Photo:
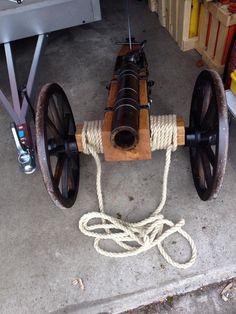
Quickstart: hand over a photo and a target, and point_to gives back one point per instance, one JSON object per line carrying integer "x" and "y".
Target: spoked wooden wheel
{"x": 209, "y": 124}
{"x": 57, "y": 150}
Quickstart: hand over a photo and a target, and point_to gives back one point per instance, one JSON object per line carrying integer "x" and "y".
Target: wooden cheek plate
{"x": 142, "y": 151}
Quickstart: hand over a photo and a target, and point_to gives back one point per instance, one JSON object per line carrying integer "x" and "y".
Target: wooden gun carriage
{"x": 125, "y": 133}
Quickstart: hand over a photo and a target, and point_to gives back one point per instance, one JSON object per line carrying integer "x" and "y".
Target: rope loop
{"x": 134, "y": 238}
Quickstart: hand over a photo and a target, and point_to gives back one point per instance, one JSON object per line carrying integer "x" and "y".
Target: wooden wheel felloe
{"x": 207, "y": 135}
{"x": 57, "y": 150}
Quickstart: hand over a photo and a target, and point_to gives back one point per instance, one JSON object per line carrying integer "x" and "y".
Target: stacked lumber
{"x": 216, "y": 30}
{"x": 180, "y": 18}
{"x": 208, "y": 27}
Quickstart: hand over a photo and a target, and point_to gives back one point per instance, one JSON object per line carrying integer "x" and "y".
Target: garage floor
{"x": 42, "y": 250}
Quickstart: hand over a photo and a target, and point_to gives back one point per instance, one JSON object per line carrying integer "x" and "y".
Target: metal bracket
{"x": 18, "y": 109}
{"x": 25, "y": 157}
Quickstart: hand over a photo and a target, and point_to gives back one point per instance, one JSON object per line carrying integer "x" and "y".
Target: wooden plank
{"x": 187, "y": 18}
{"x": 170, "y": 9}
{"x": 143, "y": 149}
{"x": 212, "y": 9}
{"x": 231, "y": 32}
{"x": 168, "y": 17}
{"x": 143, "y": 92}
{"x": 143, "y": 126}
{"x": 225, "y": 16}
{"x": 212, "y": 64}
{"x": 175, "y": 18}
{"x": 125, "y": 49}
{"x": 172, "y": 18}
{"x": 162, "y": 12}
{"x": 216, "y": 32}
{"x": 180, "y": 22}
{"x": 190, "y": 43}
{"x": 220, "y": 47}
{"x": 184, "y": 21}
{"x": 181, "y": 131}
{"x": 78, "y": 136}
{"x": 222, "y": 14}
{"x": 213, "y": 37}
{"x": 203, "y": 26}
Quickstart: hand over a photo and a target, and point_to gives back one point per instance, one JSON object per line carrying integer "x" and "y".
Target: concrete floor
{"x": 42, "y": 250}
{"x": 207, "y": 300}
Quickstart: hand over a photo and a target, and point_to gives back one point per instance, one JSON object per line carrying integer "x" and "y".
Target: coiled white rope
{"x": 135, "y": 238}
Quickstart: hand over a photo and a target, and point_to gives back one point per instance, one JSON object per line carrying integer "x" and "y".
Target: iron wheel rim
{"x": 57, "y": 127}
{"x": 209, "y": 113}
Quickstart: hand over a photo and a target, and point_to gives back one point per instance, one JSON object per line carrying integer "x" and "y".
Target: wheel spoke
{"x": 59, "y": 104}
{"x": 60, "y": 101}
{"x": 67, "y": 123}
{"x": 201, "y": 103}
{"x": 57, "y": 116}
{"x": 71, "y": 178}
{"x": 65, "y": 173}
{"x": 206, "y": 100}
{"x": 210, "y": 154}
{"x": 59, "y": 169}
{"x": 54, "y": 129}
{"x": 196, "y": 117}
{"x": 199, "y": 170}
{"x": 206, "y": 169}
{"x": 209, "y": 118}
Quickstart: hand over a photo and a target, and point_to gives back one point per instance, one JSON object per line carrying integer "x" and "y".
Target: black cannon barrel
{"x": 125, "y": 123}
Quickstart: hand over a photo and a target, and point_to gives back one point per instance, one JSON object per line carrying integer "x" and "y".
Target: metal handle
{"x": 23, "y": 153}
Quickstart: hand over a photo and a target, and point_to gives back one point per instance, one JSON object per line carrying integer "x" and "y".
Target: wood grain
{"x": 143, "y": 149}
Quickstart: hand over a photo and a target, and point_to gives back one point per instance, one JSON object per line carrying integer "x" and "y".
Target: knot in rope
{"x": 135, "y": 238}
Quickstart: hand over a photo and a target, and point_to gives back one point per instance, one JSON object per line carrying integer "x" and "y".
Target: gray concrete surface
{"x": 42, "y": 250}
{"x": 207, "y": 300}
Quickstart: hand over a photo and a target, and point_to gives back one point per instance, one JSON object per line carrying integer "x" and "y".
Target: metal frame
{"x": 29, "y": 18}
{"x": 18, "y": 109}
{"x": 34, "y": 17}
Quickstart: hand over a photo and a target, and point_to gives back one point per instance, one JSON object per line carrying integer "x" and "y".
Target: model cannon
{"x": 126, "y": 131}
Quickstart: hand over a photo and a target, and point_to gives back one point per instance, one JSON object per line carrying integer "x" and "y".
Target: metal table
{"x": 21, "y": 19}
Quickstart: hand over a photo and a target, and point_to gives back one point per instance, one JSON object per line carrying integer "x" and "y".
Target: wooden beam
{"x": 180, "y": 131}
{"x": 143, "y": 149}
{"x": 143, "y": 126}
{"x": 213, "y": 37}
